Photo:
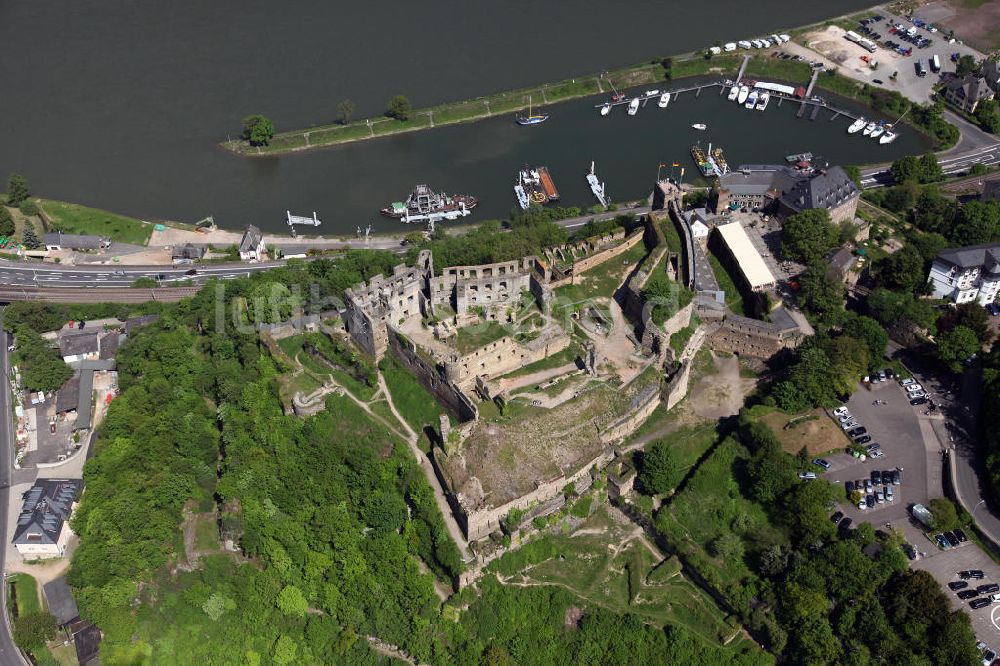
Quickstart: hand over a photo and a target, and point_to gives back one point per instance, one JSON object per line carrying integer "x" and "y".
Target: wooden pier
{"x": 808, "y": 101}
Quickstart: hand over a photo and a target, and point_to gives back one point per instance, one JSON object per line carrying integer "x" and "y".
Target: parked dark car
{"x": 979, "y": 603}
{"x": 952, "y": 539}
{"x": 876, "y": 477}
{"x": 855, "y": 432}
{"x": 968, "y": 594}
{"x": 835, "y": 518}
{"x": 897, "y": 477}
{"x": 849, "y": 487}
{"x": 918, "y": 401}
{"x": 878, "y": 81}
{"x": 956, "y": 585}
{"x": 910, "y": 551}
{"x": 989, "y": 588}
{"x": 845, "y": 524}
{"x": 960, "y": 535}
{"x": 976, "y": 574}
{"x": 864, "y": 439}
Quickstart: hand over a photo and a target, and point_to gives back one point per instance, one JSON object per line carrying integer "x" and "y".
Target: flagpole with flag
{"x": 659, "y": 166}
{"x": 673, "y": 166}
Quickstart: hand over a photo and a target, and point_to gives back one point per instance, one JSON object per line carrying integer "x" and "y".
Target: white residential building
{"x": 967, "y": 274}
{"x": 252, "y": 246}
{"x": 42, "y": 530}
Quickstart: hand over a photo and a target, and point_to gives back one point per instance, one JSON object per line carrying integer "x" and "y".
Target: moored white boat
{"x": 700, "y": 126}
{"x": 742, "y": 97}
{"x": 652, "y": 93}
{"x": 888, "y": 137}
{"x": 633, "y": 106}
{"x": 869, "y": 128}
{"x": 733, "y": 92}
{"x": 751, "y": 100}
{"x": 877, "y": 132}
{"x": 606, "y": 109}
{"x": 762, "y": 101}
{"x": 664, "y": 100}
{"x": 522, "y": 196}
{"x": 856, "y": 126}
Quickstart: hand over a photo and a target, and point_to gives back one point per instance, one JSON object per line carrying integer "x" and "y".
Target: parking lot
{"x": 944, "y": 565}
{"x": 909, "y": 443}
{"x": 896, "y": 427}
{"x": 847, "y": 56}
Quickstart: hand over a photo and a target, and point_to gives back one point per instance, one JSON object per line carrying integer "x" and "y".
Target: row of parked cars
{"x": 950, "y": 539}
{"x": 915, "y": 393}
{"x": 990, "y": 591}
{"x": 875, "y": 490}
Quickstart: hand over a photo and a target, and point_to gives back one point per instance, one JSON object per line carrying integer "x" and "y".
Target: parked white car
{"x": 913, "y": 388}
{"x": 907, "y": 381}
{"x": 840, "y": 411}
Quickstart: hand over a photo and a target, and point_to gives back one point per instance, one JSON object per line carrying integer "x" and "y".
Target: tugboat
{"x": 531, "y": 119}
{"x": 425, "y": 205}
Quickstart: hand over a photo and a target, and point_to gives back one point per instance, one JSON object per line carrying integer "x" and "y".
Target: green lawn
{"x": 340, "y": 355}
{"x": 206, "y": 534}
{"x": 603, "y": 565}
{"x": 76, "y": 219}
{"x": 471, "y": 338}
{"x": 734, "y": 299}
{"x": 26, "y": 589}
{"x": 602, "y": 279}
{"x": 415, "y": 403}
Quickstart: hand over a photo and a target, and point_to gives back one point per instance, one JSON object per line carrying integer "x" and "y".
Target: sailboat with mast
{"x": 531, "y": 119}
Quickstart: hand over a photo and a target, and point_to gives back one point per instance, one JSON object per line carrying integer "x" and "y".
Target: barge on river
{"x": 535, "y": 186}
{"x": 426, "y": 205}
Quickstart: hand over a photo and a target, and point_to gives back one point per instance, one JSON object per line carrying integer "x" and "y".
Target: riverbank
{"x": 654, "y": 73}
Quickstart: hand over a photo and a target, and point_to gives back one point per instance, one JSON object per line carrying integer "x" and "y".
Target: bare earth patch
{"x": 721, "y": 394}
{"x": 818, "y": 435}
{"x": 977, "y": 26}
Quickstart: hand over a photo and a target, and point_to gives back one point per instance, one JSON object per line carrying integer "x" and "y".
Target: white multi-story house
{"x": 967, "y": 274}
{"x": 42, "y": 530}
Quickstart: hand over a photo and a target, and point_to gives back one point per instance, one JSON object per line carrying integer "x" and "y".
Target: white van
{"x": 731, "y": 46}
{"x": 744, "y": 44}
{"x": 715, "y": 50}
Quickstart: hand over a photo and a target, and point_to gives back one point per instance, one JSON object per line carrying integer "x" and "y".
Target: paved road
{"x": 9, "y": 654}
{"x": 53, "y": 275}
{"x": 88, "y": 295}
{"x": 974, "y": 147}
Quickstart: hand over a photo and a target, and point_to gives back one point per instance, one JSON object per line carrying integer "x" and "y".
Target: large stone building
{"x": 967, "y": 274}
{"x": 966, "y": 92}
{"x": 416, "y": 292}
{"x": 785, "y": 190}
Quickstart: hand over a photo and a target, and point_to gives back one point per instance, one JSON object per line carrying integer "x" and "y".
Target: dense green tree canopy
{"x": 399, "y": 108}
{"x": 660, "y": 471}
{"x": 808, "y": 236}
{"x": 42, "y": 368}
{"x": 258, "y": 130}
{"x": 17, "y": 189}
{"x": 956, "y": 345}
{"x": 6, "y": 222}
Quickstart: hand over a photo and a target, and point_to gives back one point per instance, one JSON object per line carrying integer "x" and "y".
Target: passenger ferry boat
{"x": 425, "y": 205}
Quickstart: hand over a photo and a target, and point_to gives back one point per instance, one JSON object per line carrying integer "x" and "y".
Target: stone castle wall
{"x": 581, "y": 266}
{"x": 504, "y": 355}
{"x": 753, "y": 337}
{"x": 445, "y": 392}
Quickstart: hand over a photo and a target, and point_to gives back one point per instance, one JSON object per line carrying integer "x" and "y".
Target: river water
{"x": 119, "y": 104}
